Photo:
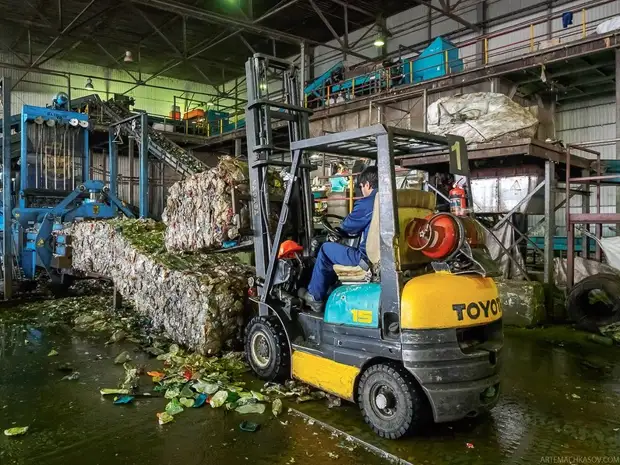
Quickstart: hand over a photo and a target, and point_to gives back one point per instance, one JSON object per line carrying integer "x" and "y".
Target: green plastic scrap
{"x": 174, "y": 407}
{"x": 16, "y": 431}
{"x": 173, "y": 350}
{"x": 117, "y": 336}
{"x": 132, "y": 380}
{"x": 187, "y": 402}
{"x": 258, "y": 396}
{"x": 172, "y": 393}
{"x": 276, "y": 407}
{"x": 113, "y": 391}
{"x": 122, "y": 358}
{"x": 206, "y": 387}
{"x": 186, "y": 391}
{"x": 251, "y": 408}
{"x": 219, "y": 398}
{"x": 52, "y": 353}
{"x": 164, "y": 417}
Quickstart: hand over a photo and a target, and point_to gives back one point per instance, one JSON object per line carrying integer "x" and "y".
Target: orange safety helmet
{"x": 288, "y": 249}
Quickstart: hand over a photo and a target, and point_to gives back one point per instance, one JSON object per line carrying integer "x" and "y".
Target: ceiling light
{"x": 89, "y": 84}
{"x": 379, "y": 40}
{"x": 263, "y": 86}
{"x": 128, "y": 57}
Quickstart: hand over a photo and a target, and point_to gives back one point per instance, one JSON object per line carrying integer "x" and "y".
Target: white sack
{"x": 481, "y": 117}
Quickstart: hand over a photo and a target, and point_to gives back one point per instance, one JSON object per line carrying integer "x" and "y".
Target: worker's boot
{"x": 315, "y": 305}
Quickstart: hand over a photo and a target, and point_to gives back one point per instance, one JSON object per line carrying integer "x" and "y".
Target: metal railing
{"x": 467, "y": 55}
{"x": 478, "y": 52}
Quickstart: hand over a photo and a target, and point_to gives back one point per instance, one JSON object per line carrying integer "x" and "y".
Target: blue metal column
{"x": 113, "y": 148}
{"x": 7, "y": 240}
{"x": 144, "y": 166}
{"x": 24, "y": 144}
{"x": 86, "y": 166}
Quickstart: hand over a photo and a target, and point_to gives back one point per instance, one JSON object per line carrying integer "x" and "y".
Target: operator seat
{"x": 412, "y": 203}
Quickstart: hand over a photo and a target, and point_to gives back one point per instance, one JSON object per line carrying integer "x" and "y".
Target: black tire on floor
{"x": 589, "y": 312}
{"x": 267, "y": 349}
{"x": 391, "y": 401}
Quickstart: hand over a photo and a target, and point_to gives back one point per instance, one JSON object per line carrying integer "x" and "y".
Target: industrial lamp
{"x": 379, "y": 40}
{"x": 128, "y": 57}
{"x": 89, "y": 84}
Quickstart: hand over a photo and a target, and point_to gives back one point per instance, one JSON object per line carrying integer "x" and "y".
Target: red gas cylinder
{"x": 439, "y": 236}
{"x": 458, "y": 201}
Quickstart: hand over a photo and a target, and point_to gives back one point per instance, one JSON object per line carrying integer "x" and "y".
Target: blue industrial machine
{"x": 317, "y": 89}
{"x": 440, "y": 58}
{"x": 55, "y": 188}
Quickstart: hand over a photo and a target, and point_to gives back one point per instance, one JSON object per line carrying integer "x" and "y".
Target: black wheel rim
{"x": 383, "y": 401}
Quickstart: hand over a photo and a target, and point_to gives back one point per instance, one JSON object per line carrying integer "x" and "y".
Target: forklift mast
{"x": 274, "y": 95}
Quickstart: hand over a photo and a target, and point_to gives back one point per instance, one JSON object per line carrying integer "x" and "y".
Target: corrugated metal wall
{"x": 159, "y": 181}
{"x": 38, "y": 89}
{"x": 583, "y": 123}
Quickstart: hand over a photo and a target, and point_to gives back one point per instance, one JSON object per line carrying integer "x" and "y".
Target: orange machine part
{"x": 436, "y": 236}
{"x": 197, "y": 113}
{"x": 289, "y": 248}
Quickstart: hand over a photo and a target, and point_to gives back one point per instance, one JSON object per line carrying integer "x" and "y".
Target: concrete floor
{"x": 561, "y": 399}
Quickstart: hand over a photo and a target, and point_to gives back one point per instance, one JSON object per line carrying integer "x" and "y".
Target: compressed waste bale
{"x": 481, "y": 117}
{"x": 523, "y": 302}
{"x": 199, "y": 212}
{"x": 197, "y": 299}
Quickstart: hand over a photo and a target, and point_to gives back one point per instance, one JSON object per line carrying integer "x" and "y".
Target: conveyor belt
{"x": 161, "y": 147}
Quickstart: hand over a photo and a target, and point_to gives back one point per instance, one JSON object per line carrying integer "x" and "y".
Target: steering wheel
{"x": 339, "y": 233}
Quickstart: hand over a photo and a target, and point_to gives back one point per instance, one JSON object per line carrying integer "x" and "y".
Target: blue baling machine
{"x": 54, "y": 188}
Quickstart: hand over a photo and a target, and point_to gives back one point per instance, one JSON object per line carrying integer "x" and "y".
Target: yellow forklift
{"x": 415, "y": 338}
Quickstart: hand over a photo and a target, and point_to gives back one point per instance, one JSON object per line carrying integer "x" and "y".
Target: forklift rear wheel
{"x": 391, "y": 401}
{"x": 267, "y": 349}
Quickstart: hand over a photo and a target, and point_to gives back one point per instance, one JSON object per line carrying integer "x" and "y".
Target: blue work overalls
{"x": 332, "y": 253}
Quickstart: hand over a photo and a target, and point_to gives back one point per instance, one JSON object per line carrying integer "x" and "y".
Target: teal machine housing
{"x": 354, "y": 305}
{"x": 441, "y": 57}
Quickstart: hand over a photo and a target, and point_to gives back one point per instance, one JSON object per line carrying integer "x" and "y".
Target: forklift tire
{"x": 267, "y": 349}
{"x": 391, "y": 401}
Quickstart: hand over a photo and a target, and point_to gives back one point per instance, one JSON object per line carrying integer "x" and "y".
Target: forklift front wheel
{"x": 391, "y": 402}
{"x": 267, "y": 349}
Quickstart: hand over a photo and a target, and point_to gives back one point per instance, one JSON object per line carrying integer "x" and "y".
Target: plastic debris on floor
{"x": 16, "y": 431}
{"x": 191, "y": 380}
{"x": 196, "y": 299}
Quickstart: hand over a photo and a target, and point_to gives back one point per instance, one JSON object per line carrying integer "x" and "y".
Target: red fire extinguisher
{"x": 458, "y": 200}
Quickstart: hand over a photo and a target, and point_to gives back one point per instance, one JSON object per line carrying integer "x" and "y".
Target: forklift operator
{"x": 332, "y": 253}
